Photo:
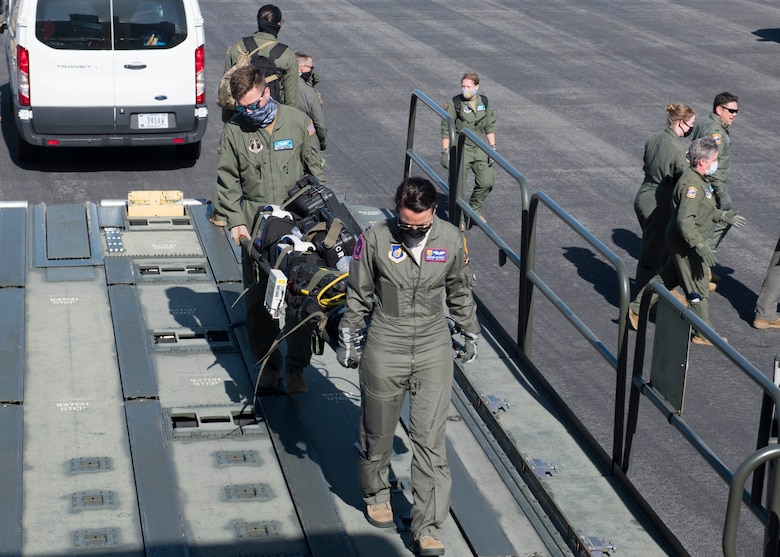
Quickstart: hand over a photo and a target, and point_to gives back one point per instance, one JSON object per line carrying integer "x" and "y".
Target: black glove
{"x": 724, "y": 200}
{"x": 733, "y": 219}
{"x": 707, "y": 255}
{"x": 445, "y": 158}
{"x": 490, "y": 159}
{"x": 469, "y": 353}
{"x": 350, "y": 347}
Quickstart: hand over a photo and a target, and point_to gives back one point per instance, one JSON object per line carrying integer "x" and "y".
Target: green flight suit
{"x": 476, "y": 115}
{"x": 408, "y": 347}
{"x": 694, "y": 213}
{"x": 714, "y": 127}
{"x": 256, "y": 168}
{"x": 310, "y": 102}
{"x": 664, "y": 163}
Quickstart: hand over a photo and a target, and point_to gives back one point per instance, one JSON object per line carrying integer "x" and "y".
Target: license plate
{"x": 152, "y": 121}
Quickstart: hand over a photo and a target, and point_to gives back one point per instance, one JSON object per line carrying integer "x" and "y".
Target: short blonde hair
{"x": 472, "y": 76}
{"x": 678, "y": 113}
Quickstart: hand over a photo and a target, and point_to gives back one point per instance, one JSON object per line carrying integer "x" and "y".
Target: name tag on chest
{"x": 435, "y": 255}
{"x": 283, "y": 145}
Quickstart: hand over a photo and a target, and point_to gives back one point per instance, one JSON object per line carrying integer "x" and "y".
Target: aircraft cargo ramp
{"x": 130, "y": 425}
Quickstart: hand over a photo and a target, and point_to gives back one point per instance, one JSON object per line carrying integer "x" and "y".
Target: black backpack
{"x": 266, "y": 64}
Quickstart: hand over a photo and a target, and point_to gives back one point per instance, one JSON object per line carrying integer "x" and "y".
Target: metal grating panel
{"x": 67, "y": 232}
{"x": 161, "y": 516}
{"x": 119, "y": 270}
{"x": 312, "y": 498}
{"x": 13, "y": 229}
{"x": 12, "y": 343}
{"x": 66, "y": 236}
{"x": 11, "y": 416}
{"x": 135, "y": 362}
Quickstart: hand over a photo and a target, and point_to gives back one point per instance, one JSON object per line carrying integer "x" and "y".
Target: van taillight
{"x": 200, "y": 75}
{"x": 23, "y": 75}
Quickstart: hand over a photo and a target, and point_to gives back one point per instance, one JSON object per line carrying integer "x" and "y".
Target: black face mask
{"x": 306, "y": 75}
{"x": 417, "y": 233}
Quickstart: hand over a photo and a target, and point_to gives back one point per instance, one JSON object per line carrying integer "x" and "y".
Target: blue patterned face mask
{"x": 712, "y": 169}
{"x": 262, "y": 115}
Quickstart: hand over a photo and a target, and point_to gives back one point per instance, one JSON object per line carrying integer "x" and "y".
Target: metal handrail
{"x": 620, "y": 361}
{"x": 640, "y": 386}
{"x": 736, "y": 494}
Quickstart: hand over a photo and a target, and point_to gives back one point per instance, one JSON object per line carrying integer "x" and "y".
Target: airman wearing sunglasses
{"x": 716, "y": 126}
{"x": 266, "y": 147}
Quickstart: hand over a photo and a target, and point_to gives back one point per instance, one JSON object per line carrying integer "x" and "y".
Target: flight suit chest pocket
{"x": 390, "y": 295}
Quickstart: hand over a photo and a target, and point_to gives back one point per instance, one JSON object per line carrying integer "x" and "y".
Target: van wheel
{"x": 24, "y": 151}
{"x": 188, "y": 151}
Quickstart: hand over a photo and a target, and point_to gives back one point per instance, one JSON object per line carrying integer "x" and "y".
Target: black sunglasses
{"x": 409, "y": 227}
{"x": 250, "y": 107}
{"x": 732, "y": 110}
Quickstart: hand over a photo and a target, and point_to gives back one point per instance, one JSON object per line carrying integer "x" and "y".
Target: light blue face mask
{"x": 263, "y": 115}
{"x": 712, "y": 169}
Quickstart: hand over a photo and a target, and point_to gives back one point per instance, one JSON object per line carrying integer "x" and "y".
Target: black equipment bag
{"x": 323, "y": 220}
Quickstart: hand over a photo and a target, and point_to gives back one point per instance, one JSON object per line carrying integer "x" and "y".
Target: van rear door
{"x": 74, "y": 52}
{"x": 154, "y": 66}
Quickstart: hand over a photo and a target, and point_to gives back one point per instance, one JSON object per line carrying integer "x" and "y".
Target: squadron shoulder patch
{"x": 691, "y": 192}
{"x": 311, "y": 129}
{"x": 718, "y": 138}
{"x": 359, "y": 245}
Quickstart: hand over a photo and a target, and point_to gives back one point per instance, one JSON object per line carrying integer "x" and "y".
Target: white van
{"x": 107, "y": 73}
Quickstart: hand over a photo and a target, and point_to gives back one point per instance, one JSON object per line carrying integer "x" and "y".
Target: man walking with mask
{"x": 309, "y": 99}
{"x": 716, "y": 126}
{"x": 265, "y": 149}
{"x": 269, "y": 23}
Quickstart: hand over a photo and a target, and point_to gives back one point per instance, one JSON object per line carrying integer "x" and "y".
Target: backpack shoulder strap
{"x": 277, "y": 51}
{"x": 456, "y": 103}
{"x": 251, "y": 46}
{"x": 484, "y": 99}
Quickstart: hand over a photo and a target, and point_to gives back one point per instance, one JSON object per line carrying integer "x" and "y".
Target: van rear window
{"x": 89, "y": 25}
